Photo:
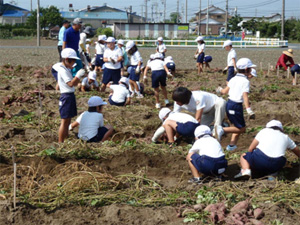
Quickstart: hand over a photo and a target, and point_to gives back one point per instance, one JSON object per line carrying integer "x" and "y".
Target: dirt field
{"x": 129, "y": 180}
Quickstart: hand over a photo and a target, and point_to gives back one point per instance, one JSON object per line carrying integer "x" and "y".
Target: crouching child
{"x": 120, "y": 95}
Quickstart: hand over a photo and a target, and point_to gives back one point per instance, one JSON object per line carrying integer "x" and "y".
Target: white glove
{"x": 249, "y": 111}
{"x": 235, "y": 70}
{"x": 196, "y": 56}
{"x": 219, "y": 89}
{"x": 70, "y": 127}
{"x": 158, "y": 133}
{"x": 137, "y": 70}
{"x": 80, "y": 73}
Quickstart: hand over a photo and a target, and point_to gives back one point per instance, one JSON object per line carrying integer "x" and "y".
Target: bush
{"x": 23, "y": 32}
{"x": 5, "y": 33}
{"x": 107, "y": 31}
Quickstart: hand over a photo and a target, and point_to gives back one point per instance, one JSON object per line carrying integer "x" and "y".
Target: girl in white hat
{"x": 200, "y": 53}
{"x": 161, "y": 47}
{"x": 90, "y": 82}
{"x": 100, "y": 48}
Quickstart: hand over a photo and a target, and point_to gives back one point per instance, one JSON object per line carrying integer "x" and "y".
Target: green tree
{"x": 233, "y": 23}
{"x": 174, "y": 16}
{"x": 251, "y": 25}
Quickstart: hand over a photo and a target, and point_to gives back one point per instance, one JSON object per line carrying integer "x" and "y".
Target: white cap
{"x": 201, "y": 130}
{"x": 129, "y": 45}
{"x": 163, "y": 113}
{"x": 92, "y": 75}
{"x": 160, "y": 39}
{"x": 253, "y": 72}
{"x": 244, "y": 63}
{"x": 227, "y": 43}
{"x": 124, "y": 80}
{"x": 274, "y": 123}
{"x": 111, "y": 39}
{"x": 96, "y": 101}
{"x": 120, "y": 42}
{"x": 169, "y": 57}
{"x": 102, "y": 38}
{"x": 152, "y": 56}
{"x": 199, "y": 38}
{"x": 69, "y": 53}
{"x": 158, "y": 55}
{"x": 88, "y": 41}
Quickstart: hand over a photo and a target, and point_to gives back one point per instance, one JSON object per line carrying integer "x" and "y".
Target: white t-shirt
{"x": 136, "y": 58}
{"x": 89, "y": 122}
{"x": 85, "y": 83}
{"x": 82, "y": 41}
{"x": 156, "y": 65}
{"x": 207, "y": 146}
{"x": 181, "y": 117}
{"x": 120, "y": 93}
{"x": 199, "y": 100}
{"x": 64, "y": 76}
{"x": 167, "y": 60}
{"x": 230, "y": 56}
{"x": 114, "y": 54}
{"x": 237, "y": 86}
{"x": 162, "y": 48}
{"x": 100, "y": 48}
{"x": 273, "y": 142}
{"x": 201, "y": 47}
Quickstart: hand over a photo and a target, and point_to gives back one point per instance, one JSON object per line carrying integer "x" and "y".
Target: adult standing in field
{"x": 61, "y": 33}
{"x": 199, "y": 55}
{"x": 231, "y": 60}
{"x": 71, "y": 40}
{"x": 286, "y": 56}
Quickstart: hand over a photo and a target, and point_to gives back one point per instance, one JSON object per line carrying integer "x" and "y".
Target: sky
{"x": 244, "y": 7}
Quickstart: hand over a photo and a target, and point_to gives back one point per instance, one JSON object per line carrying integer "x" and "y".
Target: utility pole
{"x": 207, "y": 19}
{"x": 31, "y": 6}
{"x": 146, "y": 11}
{"x": 38, "y": 24}
{"x": 199, "y": 25}
{"x": 142, "y": 12}
{"x": 152, "y": 13}
{"x": 226, "y": 18}
{"x": 165, "y": 9}
{"x": 282, "y": 20}
{"x": 186, "y": 6}
{"x": 177, "y": 11}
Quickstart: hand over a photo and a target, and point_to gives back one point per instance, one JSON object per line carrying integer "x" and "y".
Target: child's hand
{"x": 219, "y": 89}
{"x": 225, "y": 70}
{"x": 145, "y": 80}
{"x": 250, "y": 113}
{"x": 170, "y": 76}
{"x": 137, "y": 70}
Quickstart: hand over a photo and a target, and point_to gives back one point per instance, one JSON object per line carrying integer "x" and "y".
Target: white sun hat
{"x": 227, "y": 43}
{"x": 120, "y": 42}
{"x": 199, "y": 38}
{"x": 92, "y": 75}
{"x": 274, "y": 123}
{"x": 160, "y": 39}
{"x": 244, "y": 63}
{"x": 69, "y": 53}
{"x": 253, "y": 72}
{"x": 124, "y": 80}
{"x": 111, "y": 40}
{"x": 129, "y": 45}
{"x": 201, "y": 130}
{"x": 163, "y": 113}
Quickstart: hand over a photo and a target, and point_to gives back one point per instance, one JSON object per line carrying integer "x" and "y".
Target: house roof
{"x": 212, "y": 10}
{"x": 103, "y": 7}
{"x": 12, "y": 10}
{"x": 210, "y": 21}
{"x": 95, "y": 15}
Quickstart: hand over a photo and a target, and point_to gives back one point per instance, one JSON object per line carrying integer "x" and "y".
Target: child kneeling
{"x": 120, "y": 95}
{"x": 206, "y": 155}
{"x": 91, "y": 124}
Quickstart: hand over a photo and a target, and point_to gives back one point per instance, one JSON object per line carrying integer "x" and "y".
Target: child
{"x": 54, "y": 71}
{"x": 91, "y": 125}
{"x": 89, "y": 82}
{"x": 207, "y": 107}
{"x": 66, "y": 82}
{"x": 161, "y": 47}
{"x": 159, "y": 77}
{"x": 176, "y": 123}
{"x": 170, "y": 64}
{"x": 120, "y": 95}
{"x": 237, "y": 89}
{"x": 124, "y": 63}
{"x": 231, "y": 60}
{"x": 100, "y": 48}
{"x": 112, "y": 57}
{"x": 136, "y": 62}
{"x": 295, "y": 69}
{"x": 266, "y": 153}
{"x": 207, "y": 60}
{"x": 206, "y": 155}
{"x": 200, "y": 54}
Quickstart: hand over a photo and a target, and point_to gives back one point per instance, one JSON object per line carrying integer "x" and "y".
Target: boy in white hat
{"x": 100, "y": 48}
{"x": 112, "y": 57}
{"x": 135, "y": 68}
{"x": 89, "y": 83}
{"x": 265, "y": 155}
{"x": 159, "y": 77}
{"x": 231, "y": 60}
{"x": 120, "y": 95}
{"x": 170, "y": 64}
{"x": 161, "y": 47}
{"x": 91, "y": 122}
{"x": 237, "y": 89}
{"x": 199, "y": 55}
{"x": 124, "y": 63}
{"x": 66, "y": 82}
{"x": 206, "y": 155}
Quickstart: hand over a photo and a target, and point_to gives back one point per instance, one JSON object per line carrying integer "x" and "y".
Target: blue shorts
{"x": 78, "y": 66}
{"x": 230, "y": 73}
{"x": 111, "y": 75}
{"x": 67, "y": 105}
{"x": 295, "y": 69}
{"x": 116, "y": 103}
{"x": 207, "y": 59}
{"x": 99, "y": 60}
{"x": 101, "y": 132}
{"x": 132, "y": 75}
{"x": 209, "y": 166}
{"x": 171, "y": 66}
{"x": 262, "y": 164}
{"x": 54, "y": 73}
{"x": 200, "y": 58}
{"x": 235, "y": 113}
{"x": 159, "y": 77}
{"x": 187, "y": 129}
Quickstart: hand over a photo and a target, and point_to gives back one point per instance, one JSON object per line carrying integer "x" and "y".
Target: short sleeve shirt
{"x": 100, "y": 48}
{"x": 120, "y": 93}
{"x": 72, "y": 37}
{"x": 181, "y": 117}
{"x": 201, "y": 47}
{"x": 85, "y": 83}
{"x": 64, "y": 76}
{"x": 136, "y": 58}
{"x": 156, "y": 65}
{"x": 162, "y": 48}
{"x": 82, "y": 41}
{"x": 114, "y": 54}
{"x": 237, "y": 86}
{"x": 89, "y": 122}
{"x": 207, "y": 146}
{"x": 231, "y": 55}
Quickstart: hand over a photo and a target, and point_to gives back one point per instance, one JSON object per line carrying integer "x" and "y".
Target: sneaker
{"x": 132, "y": 95}
{"x": 219, "y": 132}
{"x": 167, "y": 101}
{"x": 157, "y": 105}
{"x": 231, "y": 148}
{"x": 243, "y": 175}
{"x": 272, "y": 176}
{"x": 140, "y": 96}
{"x": 195, "y": 180}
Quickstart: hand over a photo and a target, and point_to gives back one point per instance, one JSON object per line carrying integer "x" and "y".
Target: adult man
{"x": 65, "y": 25}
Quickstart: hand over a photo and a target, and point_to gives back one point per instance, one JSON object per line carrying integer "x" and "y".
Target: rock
{"x": 22, "y": 113}
{"x": 199, "y": 207}
{"x": 258, "y": 213}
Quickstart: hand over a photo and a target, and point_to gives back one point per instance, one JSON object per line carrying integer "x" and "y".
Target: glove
{"x": 250, "y": 113}
{"x": 170, "y": 76}
{"x": 158, "y": 133}
{"x": 70, "y": 127}
{"x": 235, "y": 70}
{"x": 196, "y": 56}
{"x": 145, "y": 80}
{"x": 112, "y": 60}
{"x": 137, "y": 70}
{"x": 219, "y": 89}
{"x": 80, "y": 73}
{"x": 225, "y": 70}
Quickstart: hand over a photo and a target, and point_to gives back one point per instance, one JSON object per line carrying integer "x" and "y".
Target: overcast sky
{"x": 244, "y": 7}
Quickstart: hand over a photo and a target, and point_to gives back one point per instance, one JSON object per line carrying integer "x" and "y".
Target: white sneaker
{"x": 167, "y": 101}
{"x": 132, "y": 95}
{"x": 157, "y": 105}
{"x": 218, "y": 132}
{"x": 140, "y": 96}
{"x": 231, "y": 148}
{"x": 244, "y": 174}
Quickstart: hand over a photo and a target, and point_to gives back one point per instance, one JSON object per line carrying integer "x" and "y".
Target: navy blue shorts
{"x": 200, "y": 58}
{"x": 132, "y": 75}
{"x": 207, "y": 59}
{"x": 99, "y": 60}
{"x": 116, "y": 103}
{"x": 54, "y": 73}
{"x": 67, "y": 105}
{"x": 101, "y": 132}
{"x": 262, "y": 164}
{"x": 295, "y": 69}
{"x": 171, "y": 66}
{"x": 159, "y": 77}
{"x": 111, "y": 75}
{"x": 187, "y": 129}
{"x": 230, "y": 73}
{"x": 209, "y": 166}
{"x": 235, "y": 113}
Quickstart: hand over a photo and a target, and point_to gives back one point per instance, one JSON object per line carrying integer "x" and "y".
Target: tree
{"x": 251, "y": 25}
{"x": 233, "y": 23}
{"x": 174, "y": 16}
{"x": 49, "y": 17}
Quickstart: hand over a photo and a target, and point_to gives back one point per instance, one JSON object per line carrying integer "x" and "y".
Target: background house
{"x": 11, "y": 14}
